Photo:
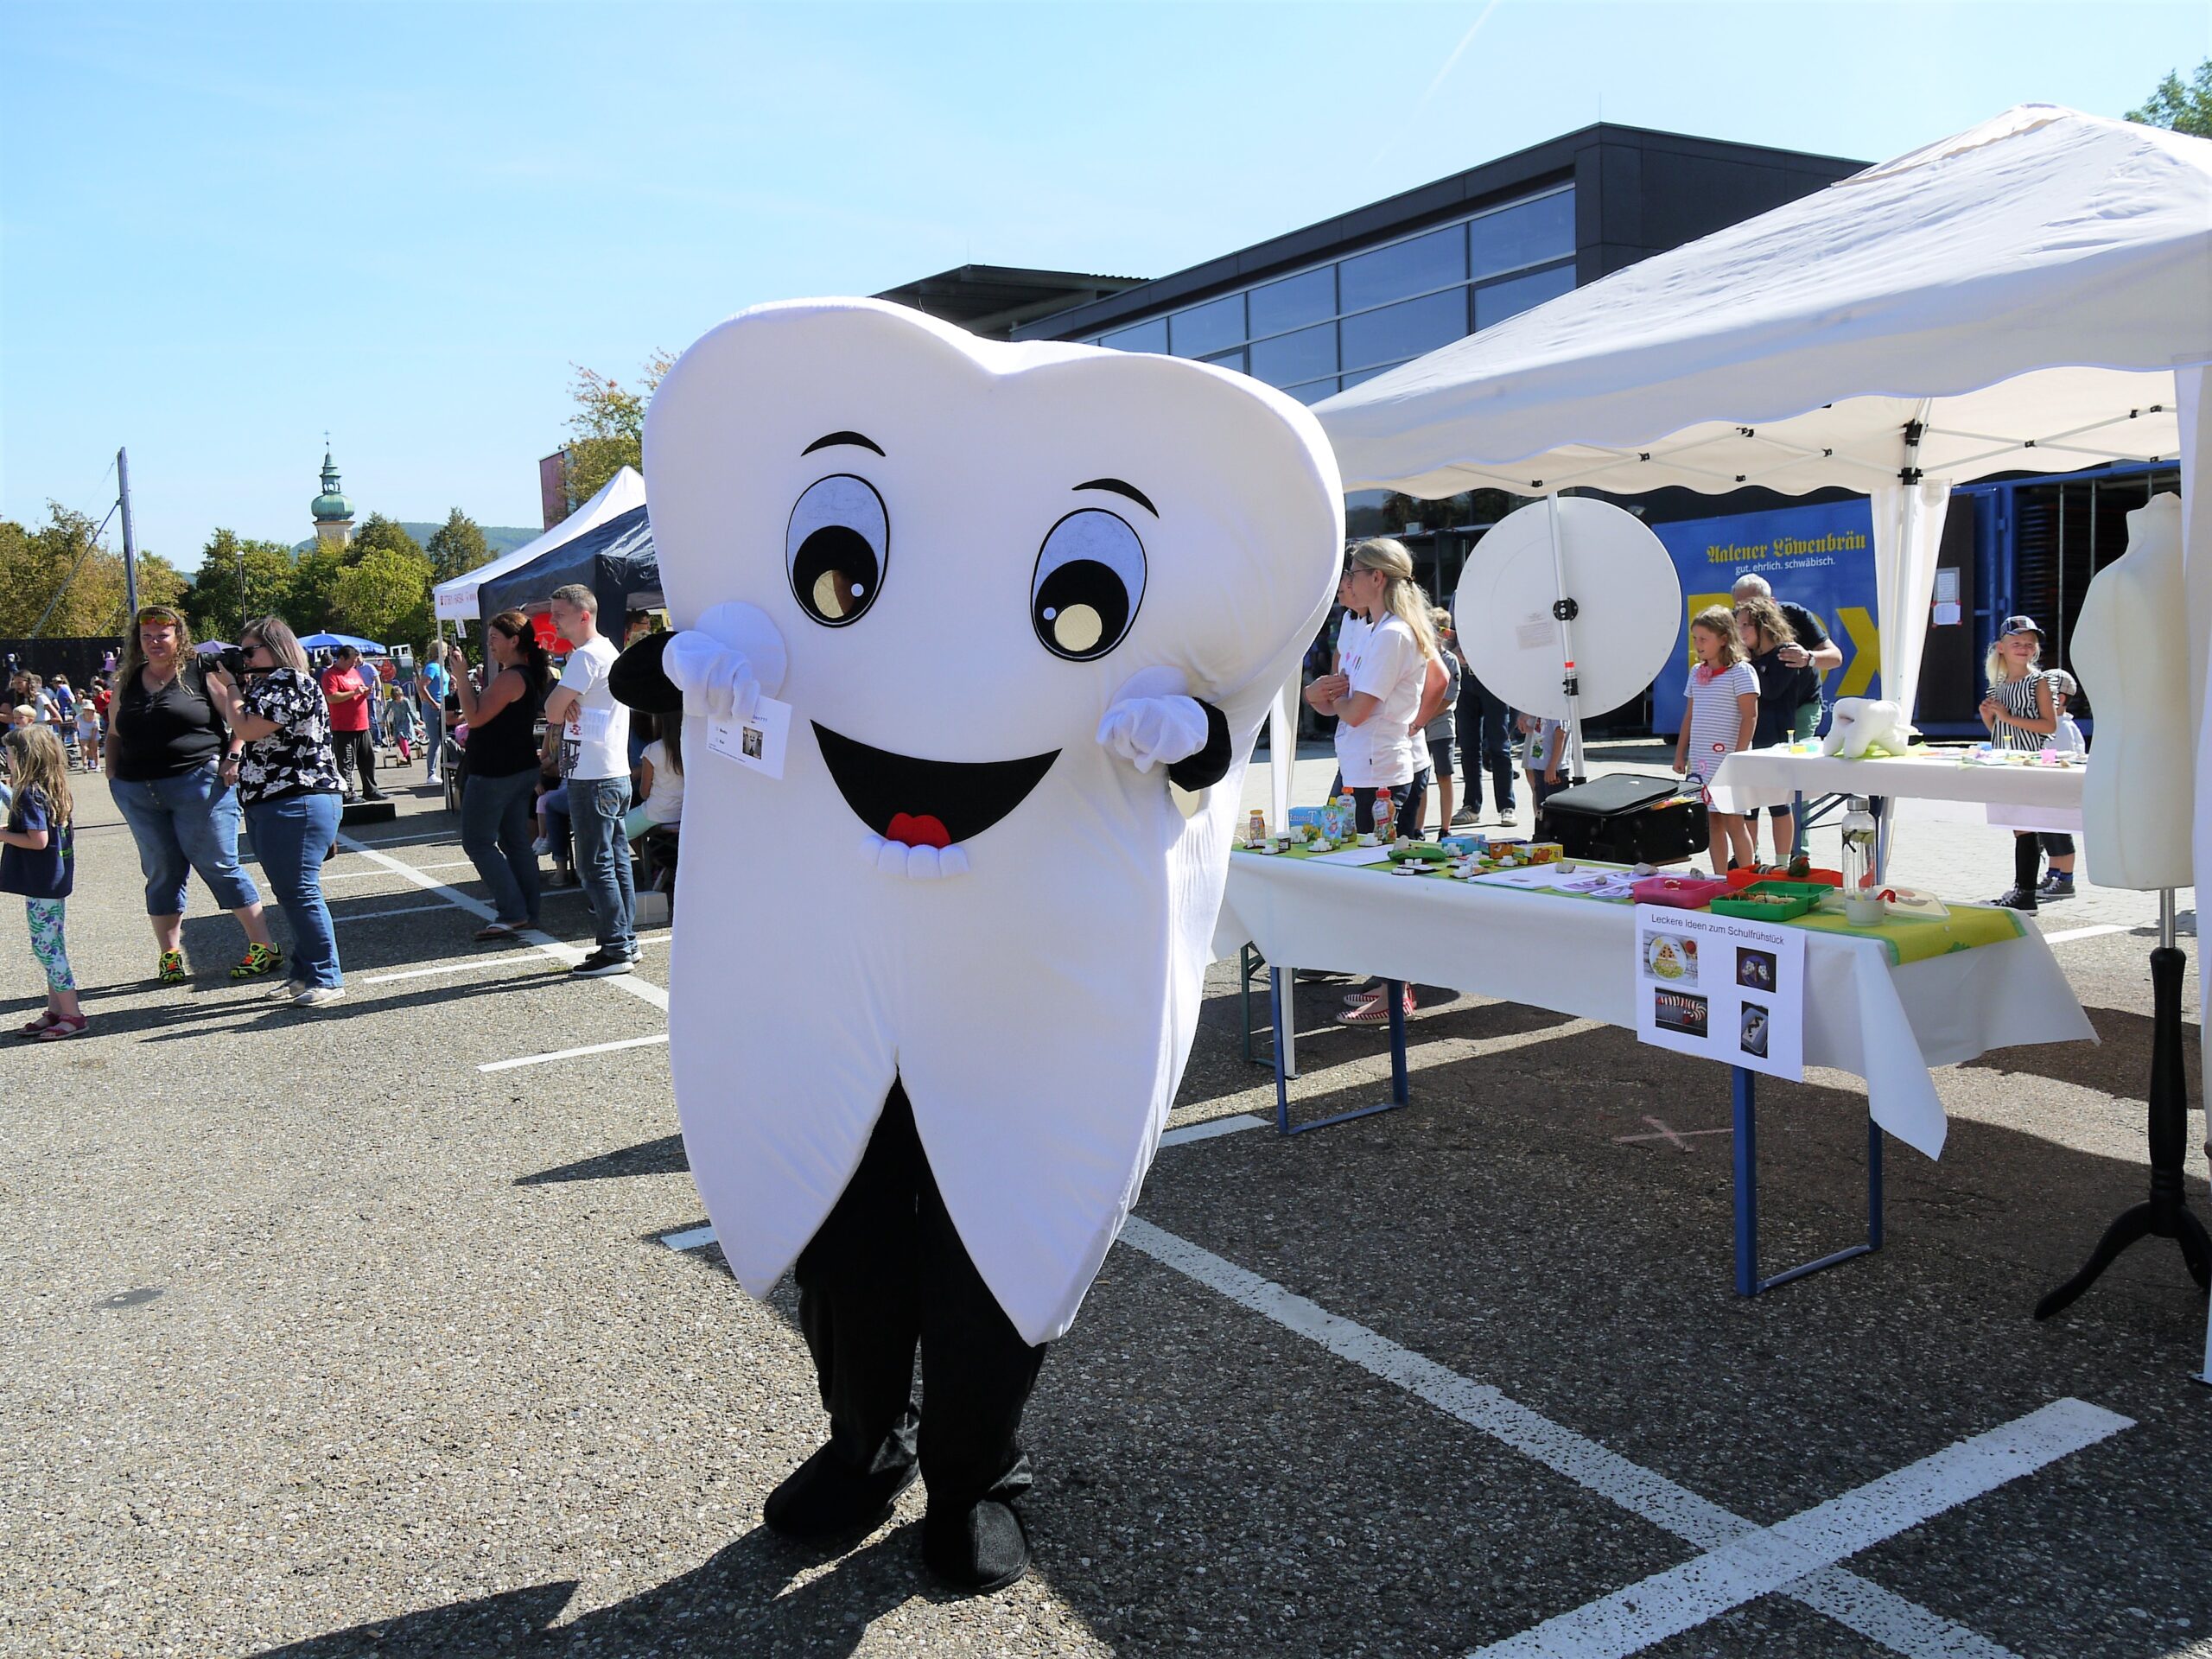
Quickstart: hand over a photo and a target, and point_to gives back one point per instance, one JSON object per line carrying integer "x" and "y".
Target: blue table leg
{"x": 1279, "y": 988}
{"x": 1748, "y": 1282}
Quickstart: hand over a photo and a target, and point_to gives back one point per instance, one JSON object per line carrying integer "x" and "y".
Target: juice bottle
{"x": 1383, "y": 827}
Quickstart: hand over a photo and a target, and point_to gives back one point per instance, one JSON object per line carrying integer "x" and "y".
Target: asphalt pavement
{"x": 375, "y": 1330}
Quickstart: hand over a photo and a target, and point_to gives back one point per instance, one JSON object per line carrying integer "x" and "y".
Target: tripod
{"x": 2166, "y": 1214}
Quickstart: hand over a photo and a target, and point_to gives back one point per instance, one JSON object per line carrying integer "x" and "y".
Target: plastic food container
{"x": 1770, "y": 900}
{"x": 1682, "y": 891}
{"x": 1738, "y": 879}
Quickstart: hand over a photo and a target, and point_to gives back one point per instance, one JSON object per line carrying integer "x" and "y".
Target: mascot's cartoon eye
{"x": 1089, "y": 581}
{"x": 838, "y": 542}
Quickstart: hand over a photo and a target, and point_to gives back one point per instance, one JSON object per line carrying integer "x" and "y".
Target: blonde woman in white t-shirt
{"x": 1390, "y": 686}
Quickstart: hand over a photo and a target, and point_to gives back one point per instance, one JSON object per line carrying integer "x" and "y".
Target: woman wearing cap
{"x": 1390, "y": 686}
{"x": 173, "y": 766}
{"x": 2017, "y": 712}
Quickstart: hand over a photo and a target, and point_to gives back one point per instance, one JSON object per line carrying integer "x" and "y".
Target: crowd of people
{"x": 196, "y": 747}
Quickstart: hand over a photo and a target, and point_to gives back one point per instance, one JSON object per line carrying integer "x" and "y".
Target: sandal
{"x": 497, "y": 930}
{"x": 1376, "y": 1011}
{"x": 260, "y": 959}
{"x": 32, "y": 1027}
{"x": 62, "y": 1028}
{"x": 168, "y": 969}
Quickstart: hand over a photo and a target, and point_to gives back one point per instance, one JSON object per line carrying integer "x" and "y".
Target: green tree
{"x": 378, "y": 532}
{"x": 456, "y": 547}
{"x": 59, "y": 572}
{"x": 212, "y": 600}
{"x": 2184, "y": 109}
{"x": 311, "y": 597}
{"x": 385, "y": 595}
{"x": 607, "y": 428}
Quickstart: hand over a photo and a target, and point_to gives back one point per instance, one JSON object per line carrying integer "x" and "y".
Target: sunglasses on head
{"x": 157, "y": 613}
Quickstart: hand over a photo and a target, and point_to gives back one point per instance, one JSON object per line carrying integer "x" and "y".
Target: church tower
{"x": 334, "y": 513}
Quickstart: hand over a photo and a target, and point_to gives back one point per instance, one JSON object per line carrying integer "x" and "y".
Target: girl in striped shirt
{"x": 2017, "y": 712}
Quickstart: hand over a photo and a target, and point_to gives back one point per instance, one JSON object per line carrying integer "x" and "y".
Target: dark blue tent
{"x": 615, "y": 560}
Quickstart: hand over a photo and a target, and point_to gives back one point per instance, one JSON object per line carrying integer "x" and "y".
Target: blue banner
{"x": 1821, "y": 558}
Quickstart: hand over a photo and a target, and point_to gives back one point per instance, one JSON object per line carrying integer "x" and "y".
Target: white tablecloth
{"x": 1576, "y": 955}
{"x": 1756, "y": 778}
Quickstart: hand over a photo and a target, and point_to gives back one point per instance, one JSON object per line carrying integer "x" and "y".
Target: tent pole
{"x": 1564, "y": 610}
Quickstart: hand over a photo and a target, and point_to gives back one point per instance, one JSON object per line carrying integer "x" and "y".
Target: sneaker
{"x": 288, "y": 991}
{"x": 2015, "y": 900}
{"x": 2057, "y": 884}
{"x": 1466, "y": 814}
{"x": 319, "y": 996}
{"x": 260, "y": 959}
{"x": 602, "y": 964}
{"x": 168, "y": 969}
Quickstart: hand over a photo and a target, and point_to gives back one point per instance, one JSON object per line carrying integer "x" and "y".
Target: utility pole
{"x": 241, "y": 589}
{"x": 130, "y": 547}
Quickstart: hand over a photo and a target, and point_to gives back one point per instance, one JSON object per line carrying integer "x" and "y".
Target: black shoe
{"x": 602, "y": 964}
{"x": 2057, "y": 884}
{"x": 2015, "y": 900}
{"x": 978, "y": 1550}
{"x": 822, "y": 1498}
{"x": 374, "y": 795}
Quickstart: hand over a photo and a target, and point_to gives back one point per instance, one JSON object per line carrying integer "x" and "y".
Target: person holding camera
{"x": 287, "y": 780}
{"x": 171, "y": 766}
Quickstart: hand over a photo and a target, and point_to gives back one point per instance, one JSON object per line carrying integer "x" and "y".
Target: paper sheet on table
{"x": 1353, "y": 855}
{"x": 1535, "y": 877}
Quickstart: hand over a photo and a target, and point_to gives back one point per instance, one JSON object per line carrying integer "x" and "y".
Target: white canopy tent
{"x": 2019, "y": 297}
{"x": 621, "y": 493}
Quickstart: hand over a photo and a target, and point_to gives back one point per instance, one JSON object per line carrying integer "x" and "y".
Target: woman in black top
{"x": 171, "y": 765}
{"x": 289, "y": 781}
{"x": 1765, "y": 631}
{"x": 495, "y": 800}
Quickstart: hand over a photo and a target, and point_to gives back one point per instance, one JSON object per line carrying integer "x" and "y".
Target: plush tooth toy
{"x": 933, "y": 989}
{"x": 1860, "y": 724}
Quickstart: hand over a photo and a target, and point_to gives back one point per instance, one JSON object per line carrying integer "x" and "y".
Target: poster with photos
{"x": 1722, "y": 988}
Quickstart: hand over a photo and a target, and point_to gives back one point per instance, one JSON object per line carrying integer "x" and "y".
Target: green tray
{"x": 1803, "y": 896}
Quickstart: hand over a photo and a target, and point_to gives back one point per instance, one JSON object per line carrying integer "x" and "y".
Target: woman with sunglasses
{"x": 172, "y": 763}
{"x": 288, "y": 779}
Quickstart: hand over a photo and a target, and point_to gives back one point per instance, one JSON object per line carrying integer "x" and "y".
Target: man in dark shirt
{"x": 1813, "y": 647}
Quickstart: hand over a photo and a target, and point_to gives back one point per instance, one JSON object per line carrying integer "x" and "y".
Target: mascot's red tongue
{"x": 923, "y": 831}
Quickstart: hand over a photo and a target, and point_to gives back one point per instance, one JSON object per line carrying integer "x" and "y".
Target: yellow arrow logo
{"x": 1866, "y": 656}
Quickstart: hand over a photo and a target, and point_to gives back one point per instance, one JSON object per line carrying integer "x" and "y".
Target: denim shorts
{"x": 184, "y": 824}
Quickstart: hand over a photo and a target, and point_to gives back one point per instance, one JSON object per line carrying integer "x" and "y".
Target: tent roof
{"x": 619, "y": 495}
{"x": 2024, "y": 289}
{"x": 614, "y": 558}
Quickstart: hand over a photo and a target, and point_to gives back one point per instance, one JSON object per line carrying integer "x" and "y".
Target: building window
{"x": 1294, "y": 302}
{"x": 1406, "y": 329}
{"x": 1526, "y": 233}
{"x": 1288, "y": 358}
{"x": 1205, "y": 329}
{"x": 1434, "y": 261}
{"x": 1499, "y": 300}
{"x": 1150, "y": 336}
{"x": 1229, "y": 359}
{"x": 1315, "y": 391}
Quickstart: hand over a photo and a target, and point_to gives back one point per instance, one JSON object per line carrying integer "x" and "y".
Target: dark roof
{"x": 992, "y": 300}
{"x": 1598, "y": 155}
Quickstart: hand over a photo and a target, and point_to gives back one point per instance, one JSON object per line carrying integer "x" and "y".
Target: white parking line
{"x": 1682, "y": 1597}
{"x": 2060, "y": 937}
{"x": 644, "y": 990}
{"x": 462, "y": 965}
{"x": 452, "y": 836}
{"x": 1213, "y": 1127}
{"x": 1881, "y": 1615}
{"x": 378, "y": 915}
{"x": 691, "y": 1238}
{"x": 575, "y": 1053}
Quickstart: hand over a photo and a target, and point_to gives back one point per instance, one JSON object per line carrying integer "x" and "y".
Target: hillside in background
{"x": 502, "y": 538}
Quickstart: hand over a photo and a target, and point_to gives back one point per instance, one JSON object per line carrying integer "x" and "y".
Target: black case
{"x": 1628, "y": 818}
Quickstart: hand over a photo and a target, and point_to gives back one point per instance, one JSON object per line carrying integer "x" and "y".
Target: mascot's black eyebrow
{"x": 1120, "y": 488}
{"x": 835, "y": 438}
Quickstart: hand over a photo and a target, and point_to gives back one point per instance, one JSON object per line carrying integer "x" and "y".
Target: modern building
{"x": 334, "y": 513}
{"x": 1322, "y": 308}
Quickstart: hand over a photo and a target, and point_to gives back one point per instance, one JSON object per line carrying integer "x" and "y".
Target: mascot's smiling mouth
{"x": 926, "y": 802}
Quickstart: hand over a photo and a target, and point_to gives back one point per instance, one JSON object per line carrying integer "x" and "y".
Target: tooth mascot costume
{"x": 933, "y": 988}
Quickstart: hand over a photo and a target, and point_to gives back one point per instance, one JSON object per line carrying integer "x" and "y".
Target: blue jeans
{"x": 182, "y": 825}
{"x": 1485, "y": 726}
{"x": 496, "y": 832}
{"x": 595, "y": 809}
{"x": 292, "y": 834}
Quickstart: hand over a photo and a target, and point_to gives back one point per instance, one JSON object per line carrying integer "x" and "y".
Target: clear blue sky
{"x": 230, "y": 227}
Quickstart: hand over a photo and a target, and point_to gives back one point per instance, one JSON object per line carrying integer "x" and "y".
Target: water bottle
{"x": 1858, "y": 845}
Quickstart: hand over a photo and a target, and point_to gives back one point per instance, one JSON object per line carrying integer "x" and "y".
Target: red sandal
{"x": 1376, "y": 1011}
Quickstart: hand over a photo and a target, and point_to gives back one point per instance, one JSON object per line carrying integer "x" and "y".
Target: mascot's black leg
{"x": 976, "y": 1375}
{"x": 859, "y": 1283}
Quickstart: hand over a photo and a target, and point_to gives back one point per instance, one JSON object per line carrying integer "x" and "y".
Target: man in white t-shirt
{"x": 596, "y": 761}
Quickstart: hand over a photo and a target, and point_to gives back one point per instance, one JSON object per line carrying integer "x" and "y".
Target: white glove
{"x": 715, "y": 680}
{"x": 1154, "y": 731}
